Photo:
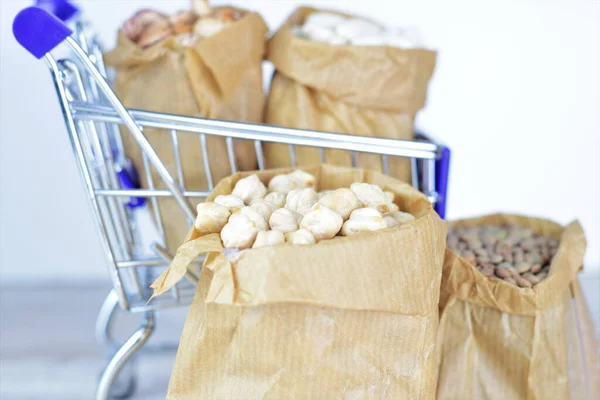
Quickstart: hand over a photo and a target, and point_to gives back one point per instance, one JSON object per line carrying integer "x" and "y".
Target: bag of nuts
{"x": 513, "y": 322}
{"x": 205, "y": 63}
{"x": 353, "y": 316}
{"x": 344, "y": 87}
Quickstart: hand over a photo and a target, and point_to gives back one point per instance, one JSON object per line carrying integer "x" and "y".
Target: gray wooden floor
{"x": 48, "y": 350}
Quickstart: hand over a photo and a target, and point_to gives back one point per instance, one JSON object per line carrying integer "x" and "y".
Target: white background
{"x": 516, "y": 94}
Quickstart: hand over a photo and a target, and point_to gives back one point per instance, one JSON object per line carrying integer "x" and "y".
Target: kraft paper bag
{"x": 219, "y": 77}
{"x": 360, "y": 90}
{"x": 500, "y": 341}
{"x": 349, "y": 318}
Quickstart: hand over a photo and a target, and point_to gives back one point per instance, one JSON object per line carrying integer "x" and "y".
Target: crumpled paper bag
{"x": 349, "y": 318}
{"x": 360, "y": 90}
{"x": 500, "y": 341}
{"x": 219, "y": 77}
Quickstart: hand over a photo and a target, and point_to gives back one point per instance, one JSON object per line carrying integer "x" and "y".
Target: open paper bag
{"x": 500, "y": 341}
{"x": 219, "y": 77}
{"x": 348, "y": 318}
{"x": 360, "y": 90}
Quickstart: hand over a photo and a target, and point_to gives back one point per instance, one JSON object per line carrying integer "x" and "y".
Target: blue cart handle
{"x": 62, "y": 9}
{"x": 442, "y": 170}
{"x": 38, "y": 31}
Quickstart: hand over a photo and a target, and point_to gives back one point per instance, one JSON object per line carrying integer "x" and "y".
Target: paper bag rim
{"x": 256, "y": 277}
{"x": 461, "y": 279}
{"x": 318, "y": 65}
{"x": 251, "y": 29}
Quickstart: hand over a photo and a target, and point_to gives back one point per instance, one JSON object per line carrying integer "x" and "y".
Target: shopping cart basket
{"x": 93, "y": 115}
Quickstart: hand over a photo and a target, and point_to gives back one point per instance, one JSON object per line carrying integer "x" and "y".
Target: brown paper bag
{"x": 349, "y": 318}
{"x": 500, "y": 341}
{"x": 360, "y": 90}
{"x": 219, "y": 77}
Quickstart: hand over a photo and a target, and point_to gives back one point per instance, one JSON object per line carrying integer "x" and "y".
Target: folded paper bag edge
{"x": 361, "y": 272}
{"x": 251, "y": 27}
{"x": 261, "y": 280}
{"x": 463, "y": 281}
{"x": 185, "y": 255}
{"x": 128, "y": 53}
{"x": 318, "y": 65}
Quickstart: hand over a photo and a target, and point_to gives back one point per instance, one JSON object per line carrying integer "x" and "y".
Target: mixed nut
{"x": 339, "y": 30}
{"x": 289, "y": 210}
{"x": 148, "y": 27}
{"x": 511, "y": 253}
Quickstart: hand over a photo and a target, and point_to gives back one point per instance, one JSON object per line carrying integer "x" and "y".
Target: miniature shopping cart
{"x": 94, "y": 115}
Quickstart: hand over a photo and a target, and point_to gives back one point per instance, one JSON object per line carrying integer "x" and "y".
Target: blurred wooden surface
{"x": 48, "y": 350}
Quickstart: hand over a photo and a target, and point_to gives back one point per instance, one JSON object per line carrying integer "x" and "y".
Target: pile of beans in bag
{"x": 289, "y": 210}
{"x": 338, "y": 29}
{"x": 512, "y": 253}
{"x": 148, "y": 27}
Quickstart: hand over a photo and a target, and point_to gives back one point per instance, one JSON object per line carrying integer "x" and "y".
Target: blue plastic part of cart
{"x": 442, "y": 170}
{"x": 129, "y": 180}
{"x": 62, "y": 9}
{"x": 38, "y": 31}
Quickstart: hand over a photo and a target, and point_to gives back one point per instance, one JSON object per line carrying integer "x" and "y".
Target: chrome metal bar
{"x": 159, "y": 303}
{"x": 105, "y": 319}
{"x": 221, "y": 128}
{"x": 109, "y": 136}
{"x": 430, "y": 184}
{"x": 206, "y": 161}
{"x": 154, "y": 262}
{"x": 157, "y": 216}
{"x": 104, "y": 205}
{"x": 102, "y": 167}
{"x": 107, "y": 209}
{"x": 115, "y": 134}
{"x": 85, "y": 172}
{"x": 231, "y": 154}
{"x": 292, "y": 150}
{"x": 429, "y": 179}
{"x": 131, "y": 124}
{"x": 112, "y": 129}
{"x": 124, "y": 354}
{"x": 265, "y": 133}
{"x": 322, "y": 155}
{"x": 121, "y": 217}
{"x": 414, "y": 172}
{"x": 385, "y": 165}
{"x": 146, "y": 193}
{"x": 177, "y": 154}
{"x": 353, "y": 159}
{"x": 433, "y": 198}
{"x": 105, "y": 167}
{"x": 260, "y": 157}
